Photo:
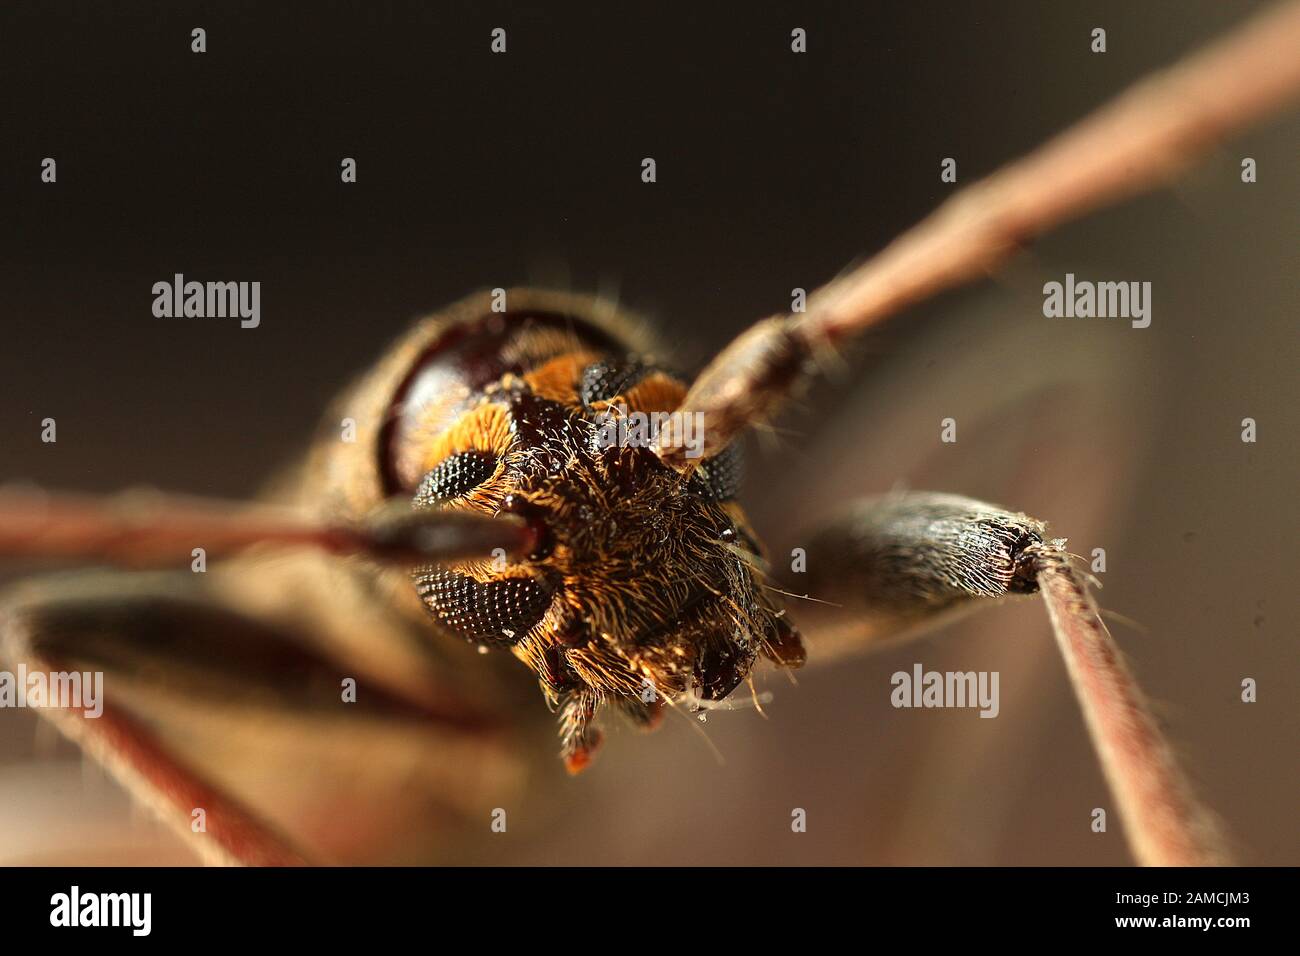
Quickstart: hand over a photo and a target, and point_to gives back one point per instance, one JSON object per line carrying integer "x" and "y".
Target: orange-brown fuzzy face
{"x": 645, "y": 587}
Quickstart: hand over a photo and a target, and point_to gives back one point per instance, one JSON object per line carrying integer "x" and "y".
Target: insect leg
{"x": 894, "y": 565}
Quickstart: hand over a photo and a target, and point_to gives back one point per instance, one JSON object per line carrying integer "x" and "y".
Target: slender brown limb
{"x": 1164, "y": 823}
{"x": 162, "y": 530}
{"x": 1136, "y": 141}
{"x": 232, "y": 833}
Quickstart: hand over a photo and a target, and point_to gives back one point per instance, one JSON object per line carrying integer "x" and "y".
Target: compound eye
{"x": 455, "y": 476}
{"x": 497, "y": 612}
{"x": 720, "y": 476}
{"x": 602, "y": 380}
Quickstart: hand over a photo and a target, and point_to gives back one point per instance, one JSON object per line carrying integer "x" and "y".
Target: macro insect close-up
{"x": 579, "y": 569}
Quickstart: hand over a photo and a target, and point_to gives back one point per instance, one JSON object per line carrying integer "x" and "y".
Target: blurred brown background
{"x": 774, "y": 171}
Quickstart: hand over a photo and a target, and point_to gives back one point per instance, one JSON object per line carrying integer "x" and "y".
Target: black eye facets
{"x": 487, "y": 612}
{"x": 603, "y": 380}
{"x": 455, "y": 476}
{"x": 720, "y": 477}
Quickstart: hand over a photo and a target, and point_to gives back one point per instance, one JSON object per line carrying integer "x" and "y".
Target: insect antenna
{"x": 1164, "y": 823}
{"x": 1132, "y": 143}
{"x": 158, "y": 530}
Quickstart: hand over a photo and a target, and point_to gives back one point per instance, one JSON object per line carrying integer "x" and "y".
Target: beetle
{"x": 621, "y": 572}
{"x": 636, "y": 586}
{"x": 481, "y": 505}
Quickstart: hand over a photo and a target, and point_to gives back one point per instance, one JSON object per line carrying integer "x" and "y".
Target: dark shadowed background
{"x": 775, "y": 170}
